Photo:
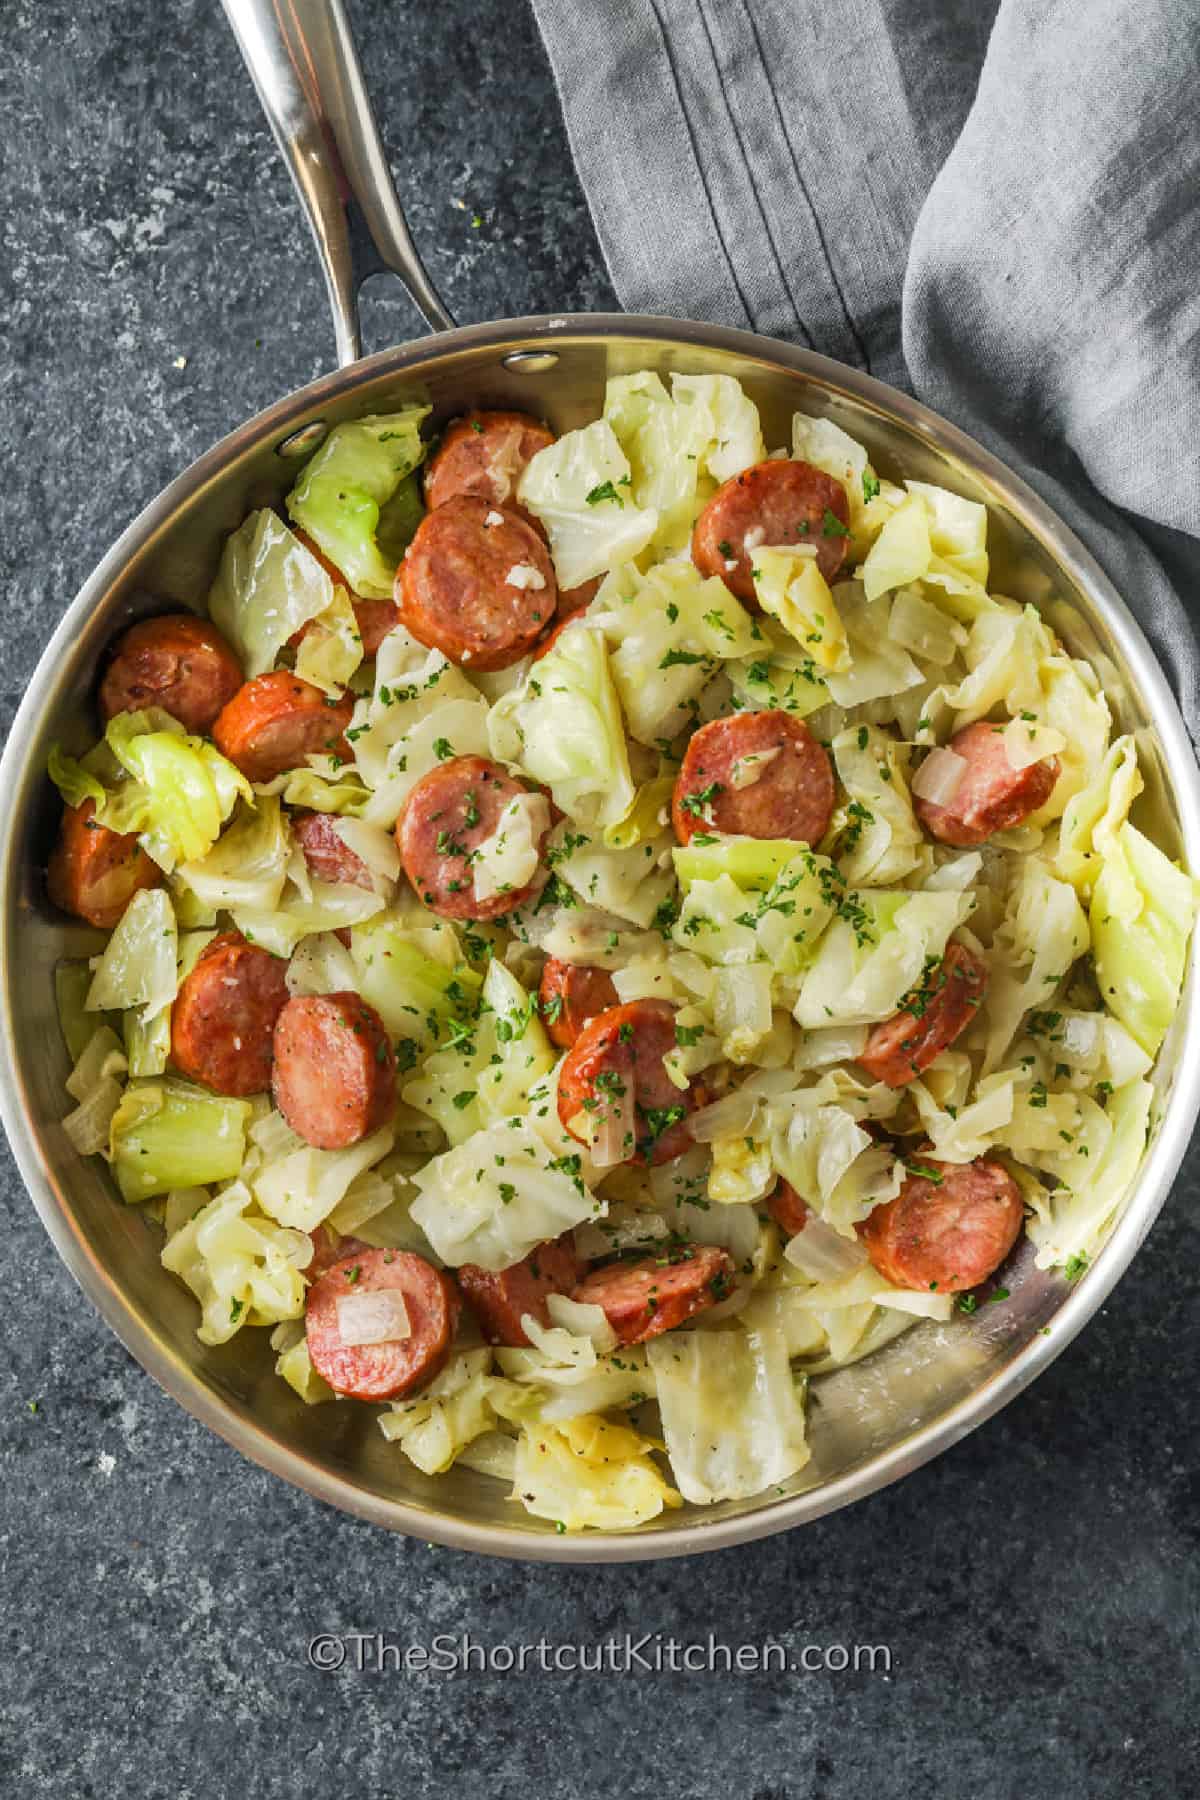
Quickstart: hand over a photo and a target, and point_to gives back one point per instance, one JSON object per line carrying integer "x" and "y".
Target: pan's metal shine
{"x": 870, "y": 1423}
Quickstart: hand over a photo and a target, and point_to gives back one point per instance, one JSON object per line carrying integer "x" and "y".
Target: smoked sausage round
{"x": 178, "y": 662}
{"x": 397, "y": 1366}
{"x": 449, "y": 813}
{"x": 94, "y": 872}
{"x": 991, "y": 796}
{"x": 931, "y": 1018}
{"x": 779, "y": 502}
{"x": 947, "y": 1230}
{"x": 484, "y": 455}
{"x": 224, "y": 1015}
{"x": 788, "y": 783}
{"x": 334, "y": 1078}
{"x": 275, "y": 722}
{"x": 502, "y": 1298}
{"x": 328, "y": 858}
{"x": 615, "y": 1069}
{"x": 477, "y": 584}
{"x": 642, "y": 1299}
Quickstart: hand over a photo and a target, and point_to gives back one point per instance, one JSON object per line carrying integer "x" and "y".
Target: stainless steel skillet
{"x": 870, "y": 1423}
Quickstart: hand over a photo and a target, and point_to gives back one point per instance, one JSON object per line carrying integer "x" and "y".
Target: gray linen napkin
{"x": 996, "y": 205}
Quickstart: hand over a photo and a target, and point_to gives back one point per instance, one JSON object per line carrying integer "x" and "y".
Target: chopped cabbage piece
{"x": 579, "y": 489}
{"x": 1093, "y": 816}
{"x": 587, "y": 1471}
{"x": 301, "y": 1187}
{"x": 791, "y": 588}
{"x": 490, "y": 1066}
{"x": 881, "y": 841}
{"x": 247, "y": 866}
{"x": 138, "y": 964}
{"x": 332, "y": 648}
{"x": 268, "y": 586}
{"x": 563, "y": 727}
{"x": 169, "y": 1134}
{"x": 874, "y": 953}
{"x": 753, "y": 863}
{"x": 343, "y": 489}
{"x": 1080, "y": 1214}
{"x": 1141, "y": 916}
{"x": 727, "y": 426}
{"x": 420, "y": 998}
{"x": 497, "y": 1196}
{"x": 1043, "y": 933}
{"x": 732, "y": 1411}
{"x": 671, "y": 629}
{"x": 243, "y": 1269}
{"x": 449, "y": 1413}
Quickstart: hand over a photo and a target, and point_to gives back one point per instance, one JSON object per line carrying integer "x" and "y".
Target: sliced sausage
{"x": 94, "y": 872}
{"x": 225, "y": 1013}
{"x": 947, "y": 1000}
{"x": 334, "y": 1078}
{"x": 180, "y": 663}
{"x": 374, "y": 618}
{"x": 328, "y": 1248}
{"x": 484, "y": 455}
{"x": 477, "y": 584}
{"x": 449, "y": 813}
{"x": 570, "y": 994}
{"x": 946, "y": 1230}
{"x": 641, "y": 1300}
{"x": 787, "y": 1209}
{"x": 992, "y": 795}
{"x": 501, "y": 1299}
{"x": 789, "y": 793}
{"x": 621, "y": 1053}
{"x": 275, "y": 722}
{"x": 782, "y": 501}
{"x": 578, "y": 599}
{"x": 389, "y": 1370}
{"x": 328, "y": 858}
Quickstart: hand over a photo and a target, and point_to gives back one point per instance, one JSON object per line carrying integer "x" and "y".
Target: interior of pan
{"x": 868, "y": 1422}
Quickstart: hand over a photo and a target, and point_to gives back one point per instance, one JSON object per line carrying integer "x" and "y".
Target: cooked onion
{"x": 749, "y": 769}
{"x": 731, "y": 1116}
{"x": 612, "y": 1128}
{"x": 372, "y": 844}
{"x": 377, "y": 1317}
{"x": 822, "y": 1253}
{"x": 1026, "y": 743}
{"x": 939, "y": 777}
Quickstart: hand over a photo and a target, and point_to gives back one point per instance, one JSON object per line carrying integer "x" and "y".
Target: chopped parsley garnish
{"x": 604, "y": 490}
{"x": 870, "y": 484}
{"x": 831, "y": 525}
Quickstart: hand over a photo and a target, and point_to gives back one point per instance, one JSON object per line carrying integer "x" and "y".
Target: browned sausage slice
{"x": 992, "y": 796}
{"x": 947, "y": 1230}
{"x": 931, "y": 1018}
{"x": 619, "y": 1053}
{"x": 477, "y": 584}
{"x": 224, "y": 1015}
{"x": 570, "y": 994}
{"x": 334, "y": 1078}
{"x": 449, "y": 813}
{"x": 328, "y": 858}
{"x": 501, "y": 1299}
{"x": 484, "y": 455}
{"x": 275, "y": 722}
{"x": 374, "y": 618}
{"x": 787, "y": 1209}
{"x": 643, "y": 1299}
{"x": 94, "y": 872}
{"x": 790, "y": 794}
{"x": 782, "y": 501}
{"x": 180, "y": 663}
{"x": 388, "y": 1370}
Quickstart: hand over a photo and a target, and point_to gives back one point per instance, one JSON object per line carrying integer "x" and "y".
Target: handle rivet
{"x": 304, "y": 441}
{"x": 530, "y": 362}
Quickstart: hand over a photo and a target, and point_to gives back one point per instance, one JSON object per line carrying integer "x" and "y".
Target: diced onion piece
{"x": 749, "y": 769}
{"x": 731, "y": 1116}
{"x": 923, "y": 628}
{"x": 612, "y": 1128}
{"x": 939, "y": 777}
{"x": 1081, "y": 1036}
{"x": 524, "y": 575}
{"x": 822, "y": 1253}
{"x": 508, "y": 859}
{"x": 582, "y": 1320}
{"x": 87, "y": 1127}
{"x": 1026, "y": 743}
{"x": 378, "y": 1317}
{"x": 375, "y": 846}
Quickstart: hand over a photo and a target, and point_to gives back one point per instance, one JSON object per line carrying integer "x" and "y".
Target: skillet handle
{"x": 302, "y": 58}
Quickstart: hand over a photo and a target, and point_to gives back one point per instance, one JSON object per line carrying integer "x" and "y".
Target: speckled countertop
{"x": 1038, "y": 1588}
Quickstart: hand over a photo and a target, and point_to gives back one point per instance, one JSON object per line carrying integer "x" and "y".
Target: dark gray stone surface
{"x": 1038, "y": 1588}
